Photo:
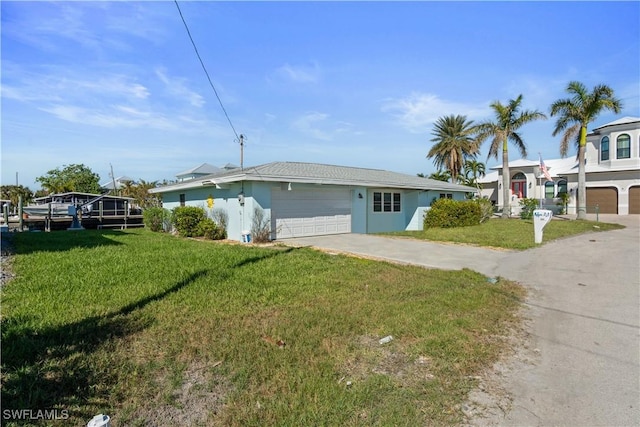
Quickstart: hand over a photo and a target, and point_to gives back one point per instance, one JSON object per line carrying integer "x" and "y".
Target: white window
{"x": 386, "y": 202}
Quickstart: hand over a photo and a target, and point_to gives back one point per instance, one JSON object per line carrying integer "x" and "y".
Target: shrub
{"x": 486, "y": 208}
{"x": 528, "y": 206}
{"x": 210, "y": 230}
{"x": 153, "y": 218}
{"x": 448, "y": 213}
{"x": 186, "y": 220}
{"x": 562, "y": 203}
{"x": 260, "y": 226}
{"x": 221, "y": 219}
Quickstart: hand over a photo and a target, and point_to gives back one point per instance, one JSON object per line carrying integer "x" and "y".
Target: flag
{"x": 543, "y": 169}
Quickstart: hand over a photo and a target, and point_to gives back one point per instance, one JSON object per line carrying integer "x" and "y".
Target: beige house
{"x": 612, "y": 174}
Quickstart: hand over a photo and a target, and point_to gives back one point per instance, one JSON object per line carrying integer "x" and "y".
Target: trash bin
{"x": 100, "y": 421}
{"x": 246, "y": 236}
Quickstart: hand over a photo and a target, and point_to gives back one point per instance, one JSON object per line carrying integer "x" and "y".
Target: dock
{"x": 43, "y": 223}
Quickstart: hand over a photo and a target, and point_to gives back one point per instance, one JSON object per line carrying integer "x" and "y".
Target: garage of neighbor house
{"x": 605, "y": 199}
{"x": 634, "y": 200}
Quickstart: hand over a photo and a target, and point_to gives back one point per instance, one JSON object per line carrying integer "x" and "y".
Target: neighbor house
{"x": 308, "y": 199}
{"x": 203, "y": 170}
{"x": 116, "y": 183}
{"x": 612, "y": 172}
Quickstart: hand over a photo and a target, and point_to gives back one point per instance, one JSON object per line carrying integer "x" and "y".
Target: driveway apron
{"x": 584, "y": 319}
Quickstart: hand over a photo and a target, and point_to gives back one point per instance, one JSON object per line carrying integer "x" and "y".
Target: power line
{"x": 205, "y": 70}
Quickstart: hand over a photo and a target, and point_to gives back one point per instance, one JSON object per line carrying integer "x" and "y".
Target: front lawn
{"x": 157, "y": 330}
{"x": 508, "y": 234}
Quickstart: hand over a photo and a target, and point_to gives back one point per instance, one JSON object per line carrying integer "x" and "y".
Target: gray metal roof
{"x": 315, "y": 173}
{"x": 204, "y": 168}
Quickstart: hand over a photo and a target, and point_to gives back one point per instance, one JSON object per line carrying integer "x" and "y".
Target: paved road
{"x": 584, "y": 310}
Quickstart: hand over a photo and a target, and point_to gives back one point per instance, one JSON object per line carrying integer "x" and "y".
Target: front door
{"x": 519, "y": 188}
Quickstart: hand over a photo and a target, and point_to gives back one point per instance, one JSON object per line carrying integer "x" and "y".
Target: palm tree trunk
{"x": 581, "y": 203}
{"x": 506, "y": 209}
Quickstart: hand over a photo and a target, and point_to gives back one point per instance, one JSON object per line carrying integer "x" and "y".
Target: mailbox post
{"x": 541, "y": 218}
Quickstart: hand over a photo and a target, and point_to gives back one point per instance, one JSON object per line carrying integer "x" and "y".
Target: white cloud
{"x": 419, "y": 111}
{"x": 177, "y": 87}
{"x": 299, "y": 73}
{"x": 537, "y": 93}
{"x": 110, "y": 117}
{"x": 51, "y": 84}
{"x": 105, "y": 99}
{"x": 97, "y": 26}
{"x": 309, "y": 124}
{"x": 319, "y": 126}
{"x": 269, "y": 118}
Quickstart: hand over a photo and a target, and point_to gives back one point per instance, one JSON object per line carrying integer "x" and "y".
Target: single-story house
{"x": 612, "y": 173}
{"x": 308, "y": 199}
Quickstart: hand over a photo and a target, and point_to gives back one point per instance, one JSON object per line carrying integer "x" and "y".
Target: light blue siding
{"x": 378, "y": 222}
{"x": 414, "y": 204}
{"x": 359, "y": 210}
{"x": 256, "y": 194}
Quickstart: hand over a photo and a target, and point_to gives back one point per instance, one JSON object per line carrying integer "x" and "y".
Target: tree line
{"x": 457, "y": 140}
{"x": 81, "y": 179}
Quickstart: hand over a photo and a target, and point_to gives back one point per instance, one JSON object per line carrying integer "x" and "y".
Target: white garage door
{"x": 299, "y": 213}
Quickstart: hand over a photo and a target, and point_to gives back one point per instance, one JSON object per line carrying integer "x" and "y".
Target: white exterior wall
{"x": 621, "y": 181}
{"x": 623, "y": 174}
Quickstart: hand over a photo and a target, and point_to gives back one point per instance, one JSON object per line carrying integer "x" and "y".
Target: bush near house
{"x": 186, "y": 220}
{"x": 221, "y": 218}
{"x": 208, "y": 229}
{"x": 154, "y": 218}
{"x": 528, "y": 206}
{"x": 562, "y": 203}
{"x": 447, "y": 213}
{"x": 192, "y": 221}
{"x": 486, "y": 208}
{"x": 260, "y": 226}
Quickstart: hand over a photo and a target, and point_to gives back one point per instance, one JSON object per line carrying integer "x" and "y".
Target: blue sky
{"x": 346, "y": 83}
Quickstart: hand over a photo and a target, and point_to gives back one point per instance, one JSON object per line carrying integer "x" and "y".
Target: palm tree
{"x": 508, "y": 119}
{"x": 574, "y": 115}
{"x": 441, "y": 175}
{"x": 454, "y": 143}
{"x": 473, "y": 170}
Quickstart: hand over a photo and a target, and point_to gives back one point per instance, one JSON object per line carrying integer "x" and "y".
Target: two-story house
{"x": 612, "y": 174}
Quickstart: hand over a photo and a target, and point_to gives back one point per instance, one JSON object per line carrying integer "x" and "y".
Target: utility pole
{"x": 241, "y": 152}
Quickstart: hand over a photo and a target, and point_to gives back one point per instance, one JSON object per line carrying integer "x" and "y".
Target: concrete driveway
{"x": 583, "y": 363}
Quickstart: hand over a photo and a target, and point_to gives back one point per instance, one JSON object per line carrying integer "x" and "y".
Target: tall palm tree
{"x": 473, "y": 170}
{"x": 574, "y": 115}
{"x": 454, "y": 143}
{"x": 508, "y": 120}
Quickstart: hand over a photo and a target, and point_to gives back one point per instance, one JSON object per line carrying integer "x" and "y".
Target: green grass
{"x": 507, "y": 234}
{"x": 153, "y": 329}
